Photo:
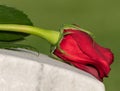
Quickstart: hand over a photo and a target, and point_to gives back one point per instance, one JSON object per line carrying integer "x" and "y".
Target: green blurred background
{"x": 102, "y": 17}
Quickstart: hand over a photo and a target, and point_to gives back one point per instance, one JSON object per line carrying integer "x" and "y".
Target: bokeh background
{"x": 102, "y": 17}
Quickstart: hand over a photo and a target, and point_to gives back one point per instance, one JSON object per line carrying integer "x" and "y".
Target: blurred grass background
{"x": 102, "y": 17}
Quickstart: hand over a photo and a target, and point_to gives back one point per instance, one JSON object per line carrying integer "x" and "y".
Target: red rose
{"x": 77, "y": 47}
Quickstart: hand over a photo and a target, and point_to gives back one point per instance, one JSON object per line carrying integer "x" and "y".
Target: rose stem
{"x": 50, "y": 35}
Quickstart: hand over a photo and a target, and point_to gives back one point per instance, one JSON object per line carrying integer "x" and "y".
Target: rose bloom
{"x": 77, "y": 48}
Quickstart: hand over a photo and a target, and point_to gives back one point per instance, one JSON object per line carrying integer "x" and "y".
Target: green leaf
{"x": 9, "y": 15}
{"x": 13, "y": 46}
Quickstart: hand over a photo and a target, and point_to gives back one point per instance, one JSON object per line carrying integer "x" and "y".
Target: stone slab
{"x": 29, "y": 71}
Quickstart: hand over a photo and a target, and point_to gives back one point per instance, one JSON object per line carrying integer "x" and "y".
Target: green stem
{"x": 50, "y": 35}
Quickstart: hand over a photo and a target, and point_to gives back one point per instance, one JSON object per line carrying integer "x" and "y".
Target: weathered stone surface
{"x": 28, "y": 71}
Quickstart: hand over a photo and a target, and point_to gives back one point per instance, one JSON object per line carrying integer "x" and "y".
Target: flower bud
{"x": 78, "y": 48}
